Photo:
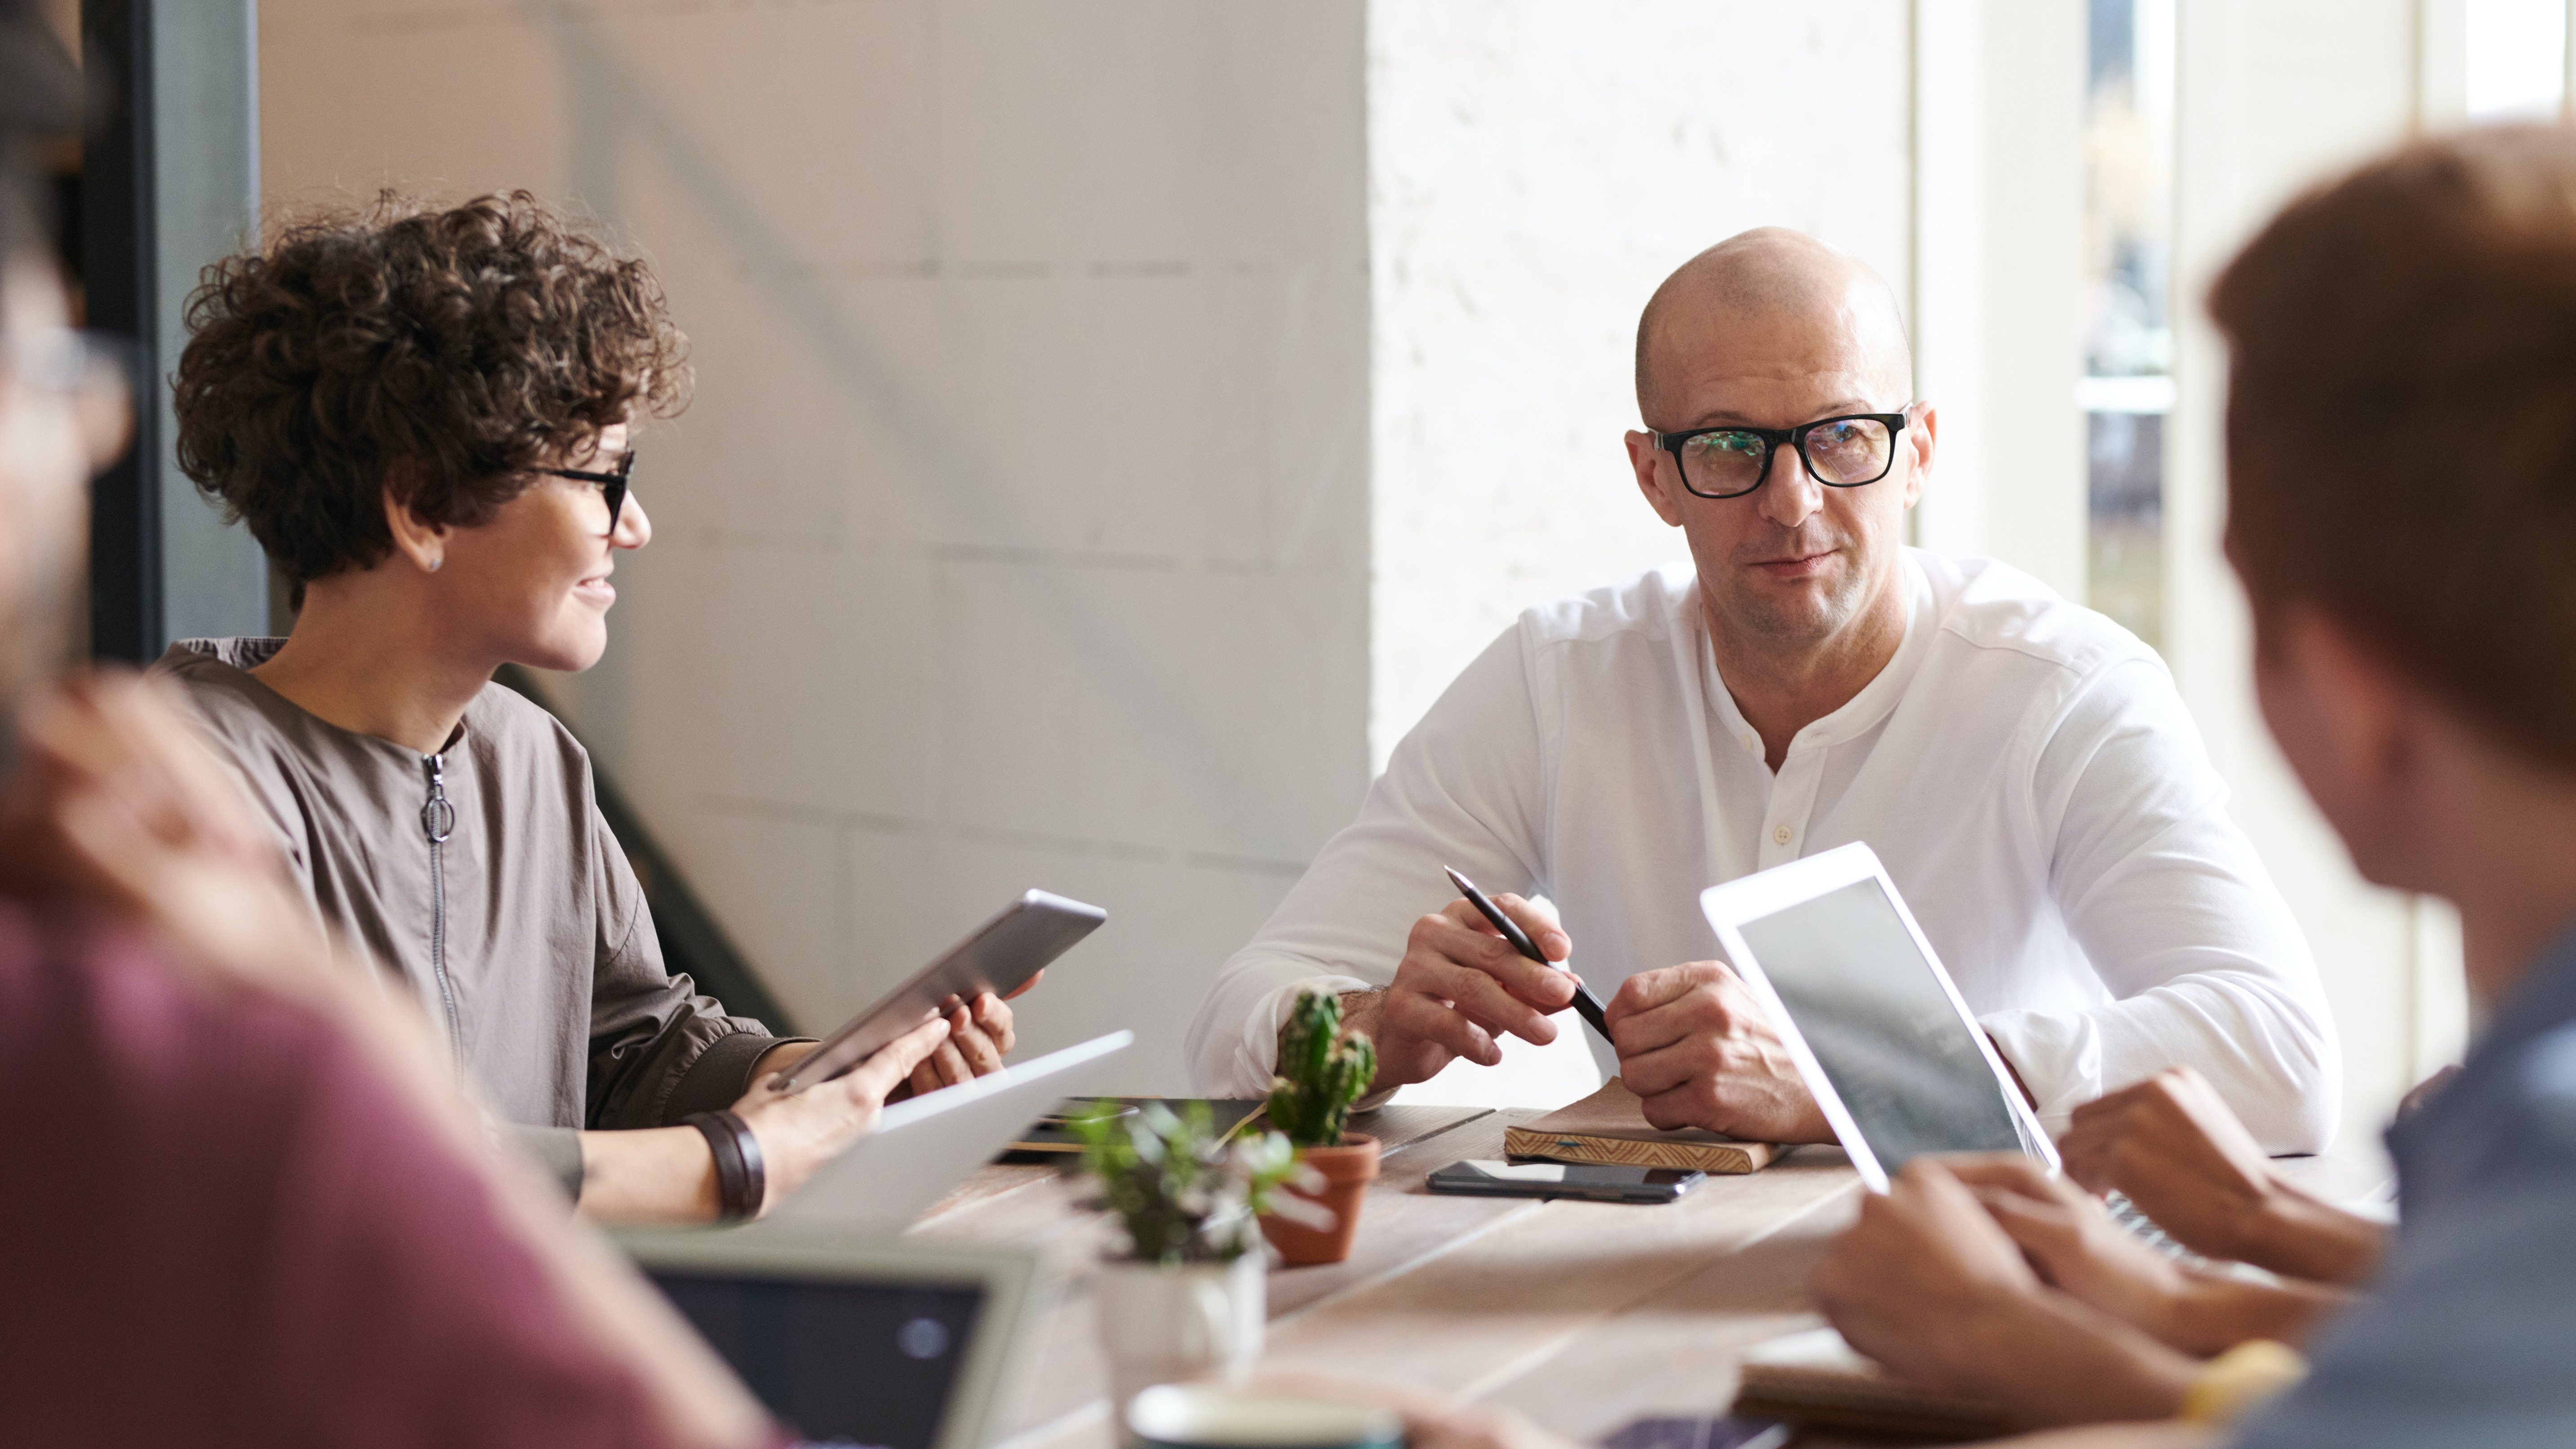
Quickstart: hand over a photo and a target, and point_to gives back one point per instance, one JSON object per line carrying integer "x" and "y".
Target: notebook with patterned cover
{"x": 1610, "y": 1126}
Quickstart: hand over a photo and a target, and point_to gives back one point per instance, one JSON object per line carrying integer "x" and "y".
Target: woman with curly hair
{"x": 424, "y": 417}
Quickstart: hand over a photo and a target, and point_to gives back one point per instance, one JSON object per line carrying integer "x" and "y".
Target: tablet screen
{"x": 839, "y": 1362}
{"x": 1890, "y": 1040}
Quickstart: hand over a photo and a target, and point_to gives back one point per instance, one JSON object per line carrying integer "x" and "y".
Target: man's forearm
{"x": 2298, "y": 1236}
{"x": 2213, "y": 1314}
{"x": 2063, "y": 1363}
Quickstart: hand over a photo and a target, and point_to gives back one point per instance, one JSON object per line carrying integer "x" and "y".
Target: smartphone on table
{"x": 1594, "y": 1181}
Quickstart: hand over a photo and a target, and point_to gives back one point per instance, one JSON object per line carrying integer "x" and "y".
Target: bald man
{"x": 2021, "y": 764}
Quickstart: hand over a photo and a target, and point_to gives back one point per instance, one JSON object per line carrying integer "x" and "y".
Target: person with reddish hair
{"x": 2401, "y": 452}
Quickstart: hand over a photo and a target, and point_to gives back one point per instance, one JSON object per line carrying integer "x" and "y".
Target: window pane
{"x": 2128, "y": 240}
{"x": 2127, "y": 553}
{"x": 2517, "y": 57}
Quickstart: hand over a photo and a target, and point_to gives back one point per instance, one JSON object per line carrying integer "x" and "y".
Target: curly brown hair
{"x": 441, "y": 354}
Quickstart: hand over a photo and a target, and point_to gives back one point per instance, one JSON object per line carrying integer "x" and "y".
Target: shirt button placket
{"x": 1793, "y": 794}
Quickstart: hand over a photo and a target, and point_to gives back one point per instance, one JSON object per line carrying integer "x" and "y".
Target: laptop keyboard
{"x": 2144, "y": 1229}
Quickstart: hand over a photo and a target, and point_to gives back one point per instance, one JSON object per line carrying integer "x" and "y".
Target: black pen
{"x": 1584, "y": 1001}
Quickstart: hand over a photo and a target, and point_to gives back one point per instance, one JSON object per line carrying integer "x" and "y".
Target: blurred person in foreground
{"x": 245, "y": 1204}
{"x": 2022, "y": 765}
{"x": 2402, "y": 510}
{"x": 425, "y": 417}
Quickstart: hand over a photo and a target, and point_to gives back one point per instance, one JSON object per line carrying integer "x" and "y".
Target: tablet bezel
{"x": 947, "y": 975}
{"x": 1768, "y": 892}
{"x": 988, "y": 1372}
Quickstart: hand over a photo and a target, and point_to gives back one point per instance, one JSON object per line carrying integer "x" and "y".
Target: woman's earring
{"x": 434, "y": 563}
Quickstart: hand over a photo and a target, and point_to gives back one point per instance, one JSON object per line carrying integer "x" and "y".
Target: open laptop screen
{"x": 840, "y": 1362}
{"x": 1882, "y": 1028}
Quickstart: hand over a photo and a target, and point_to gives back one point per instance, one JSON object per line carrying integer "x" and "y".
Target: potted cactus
{"x": 1185, "y": 1299}
{"x": 1321, "y": 1073}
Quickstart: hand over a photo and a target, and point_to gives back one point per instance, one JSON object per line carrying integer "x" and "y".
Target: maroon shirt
{"x": 217, "y": 1226}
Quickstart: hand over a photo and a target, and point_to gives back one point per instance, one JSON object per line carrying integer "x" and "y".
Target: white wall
{"x": 1535, "y": 170}
{"x": 1018, "y": 534}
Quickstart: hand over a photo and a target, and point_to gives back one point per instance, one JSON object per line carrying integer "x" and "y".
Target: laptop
{"x": 925, "y": 1145}
{"x": 1881, "y": 1036}
{"x": 852, "y": 1342}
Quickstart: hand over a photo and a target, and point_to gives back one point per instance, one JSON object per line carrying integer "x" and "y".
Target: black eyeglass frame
{"x": 1772, "y": 441}
{"x": 612, "y": 486}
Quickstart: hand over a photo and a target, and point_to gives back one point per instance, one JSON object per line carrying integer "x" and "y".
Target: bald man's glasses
{"x": 1843, "y": 452}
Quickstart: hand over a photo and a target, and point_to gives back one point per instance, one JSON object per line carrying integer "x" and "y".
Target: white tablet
{"x": 925, "y": 1145}
{"x": 891, "y": 1344}
{"x": 1881, "y": 1037}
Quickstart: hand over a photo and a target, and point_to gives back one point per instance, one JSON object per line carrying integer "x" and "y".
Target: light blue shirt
{"x": 2469, "y": 1334}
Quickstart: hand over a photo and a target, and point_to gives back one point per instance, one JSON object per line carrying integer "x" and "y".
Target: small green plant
{"x": 1320, "y": 1073}
{"x": 1184, "y": 1194}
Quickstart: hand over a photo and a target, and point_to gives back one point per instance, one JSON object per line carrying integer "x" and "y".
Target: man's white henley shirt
{"x": 2023, "y": 766}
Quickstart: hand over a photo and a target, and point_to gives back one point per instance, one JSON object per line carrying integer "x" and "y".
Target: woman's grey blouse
{"x": 483, "y": 880}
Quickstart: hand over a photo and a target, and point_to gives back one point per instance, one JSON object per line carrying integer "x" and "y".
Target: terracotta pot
{"x": 1347, "y": 1170}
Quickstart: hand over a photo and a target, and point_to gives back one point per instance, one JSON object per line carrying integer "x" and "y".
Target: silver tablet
{"x": 998, "y": 956}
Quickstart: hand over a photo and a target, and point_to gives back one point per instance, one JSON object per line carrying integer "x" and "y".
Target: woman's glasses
{"x": 612, "y": 486}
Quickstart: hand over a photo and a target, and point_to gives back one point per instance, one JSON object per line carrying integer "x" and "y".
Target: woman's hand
{"x": 2076, "y": 1248}
{"x": 1924, "y": 1275}
{"x": 1928, "y": 1284}
{"x": 979, "y": 1036}
{"x": 799, "y": 1133}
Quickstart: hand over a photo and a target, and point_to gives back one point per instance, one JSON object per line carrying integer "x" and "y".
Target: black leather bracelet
{"x": 742, "y": 1181}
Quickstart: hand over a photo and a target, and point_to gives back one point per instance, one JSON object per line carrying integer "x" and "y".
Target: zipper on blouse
{"x": 437, "y": 822}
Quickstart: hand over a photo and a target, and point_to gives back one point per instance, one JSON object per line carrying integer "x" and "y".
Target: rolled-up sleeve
{"x": 2179, "y": 919}
{"x": 659, "y": 1050}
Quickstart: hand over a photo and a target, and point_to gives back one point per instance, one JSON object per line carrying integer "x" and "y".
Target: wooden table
{"x": 1582, "y": 1316}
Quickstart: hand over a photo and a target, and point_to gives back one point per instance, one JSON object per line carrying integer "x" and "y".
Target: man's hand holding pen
{"x": 1461, "y": 985}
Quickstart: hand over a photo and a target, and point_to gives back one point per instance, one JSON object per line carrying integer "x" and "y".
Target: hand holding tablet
{"x": 998, "y": 957}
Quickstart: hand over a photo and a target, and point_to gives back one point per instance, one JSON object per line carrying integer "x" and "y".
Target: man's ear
{"x": 1920, "y": 435}
{"x": 416, "y": 540}
{"x": 2354, "y": 731}
{"x": 2352, "y": 677}
{"x": 1646, "y": 461}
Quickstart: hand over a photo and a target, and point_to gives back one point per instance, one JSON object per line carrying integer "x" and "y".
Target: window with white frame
{"x": 2128, "y": 387}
